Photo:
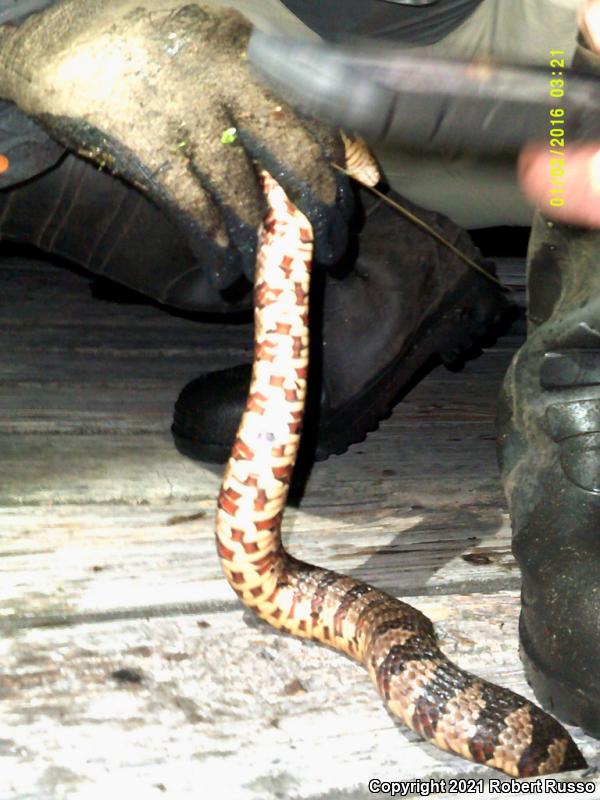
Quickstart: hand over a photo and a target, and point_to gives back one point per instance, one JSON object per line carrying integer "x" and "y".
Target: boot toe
{"x": 208, "y": 411}
{"x": 560, "y": 641}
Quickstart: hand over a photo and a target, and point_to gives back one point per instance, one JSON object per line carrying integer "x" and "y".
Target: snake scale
{"x": 445, "y": 705}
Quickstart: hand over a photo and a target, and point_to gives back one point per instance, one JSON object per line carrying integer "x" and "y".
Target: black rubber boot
{"x": 549, "y": 452}
{"x": 101, "y": 223}
{"x": 406, "y": 301}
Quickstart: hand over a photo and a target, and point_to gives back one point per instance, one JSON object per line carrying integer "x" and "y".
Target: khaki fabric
{"x": 270, "y": 16}
{"x": 474, "y": 192}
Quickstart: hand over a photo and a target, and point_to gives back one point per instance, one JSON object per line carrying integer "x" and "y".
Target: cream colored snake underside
{"x": 396, "y": 643}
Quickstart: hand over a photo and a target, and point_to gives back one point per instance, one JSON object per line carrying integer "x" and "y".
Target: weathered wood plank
{"x": 67, "y": 392}
{"x": 221, "y": 700}
{"x": 108, "y": 565}
{"x": 118, "y": 338}
{"x": 92, "y": 371}
{"x": 68, "y": 563}
{"x": 511, "y": 271}
{"x": 146, "y": 468}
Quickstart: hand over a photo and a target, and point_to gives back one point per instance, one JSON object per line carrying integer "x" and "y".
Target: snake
{"x": 443, "y": 704}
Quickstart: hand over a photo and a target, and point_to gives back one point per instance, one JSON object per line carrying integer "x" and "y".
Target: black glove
{"x": 160, "y": 92}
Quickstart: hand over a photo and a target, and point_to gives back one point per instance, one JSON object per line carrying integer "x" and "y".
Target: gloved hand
{"x": 160, "y": 92}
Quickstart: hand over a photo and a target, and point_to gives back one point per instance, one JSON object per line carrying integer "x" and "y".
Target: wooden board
{"x": 128, "y": 667}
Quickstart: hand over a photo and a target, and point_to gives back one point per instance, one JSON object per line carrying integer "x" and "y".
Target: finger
{"x": 225, "y": 169}
{"x": 225, "y": 172}
{"x": 289, "y": 143}
{"x": 295, "y": 158}
{"x": 331, "y": 142}
{"x": 8, "y": 80}
{"x": 589, "y": 23}
{"x": 580, "y": 189}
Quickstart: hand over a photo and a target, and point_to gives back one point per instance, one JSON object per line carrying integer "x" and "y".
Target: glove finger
{"x": 333, "y": 147}
{"x": 295, "y": 158}
{"x": 228, "y": 175}
{"x": 170, "y": 184}
{"x": 292, "y": 154}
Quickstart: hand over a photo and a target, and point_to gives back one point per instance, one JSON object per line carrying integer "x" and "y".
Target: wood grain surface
{"x": 127, "y": 665}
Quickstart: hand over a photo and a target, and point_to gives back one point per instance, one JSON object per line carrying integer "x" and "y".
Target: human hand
{"x": 160, "y": 93}
{"x": 582, "y": 162}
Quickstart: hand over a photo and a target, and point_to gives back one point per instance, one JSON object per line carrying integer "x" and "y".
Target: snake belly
{"x": 445, "y": 705}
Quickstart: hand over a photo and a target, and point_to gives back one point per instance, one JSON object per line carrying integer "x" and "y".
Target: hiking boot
{"x": 549, "y": 453}
{"x": 99, "y": 222}
{"x": 405, "y": 302}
